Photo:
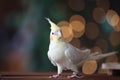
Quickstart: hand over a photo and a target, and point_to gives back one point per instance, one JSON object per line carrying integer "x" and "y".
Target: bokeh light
{"x": 67, "y": 33}
{"x": 99, "y": 15}
{"x": 89, "y": 67}
{"x": 63, "y": 23}
{"x": 105, "y": 4}
{"x": 102, "y": 43}
{"x": 114, "y": 38}
{"x": 113, "y": 59}
{"x": 78, "y": 28}
{"x": 15, "y": 61}
{"x": 76, "y": 42}
{"x": 76, "y": 5}
{"x": 92, "y": 30}
{"x": 117, "y": 27}
{"x": 78, "y": 34}
{"x": 77, "y": 18}
{"x": 112, "y": 17}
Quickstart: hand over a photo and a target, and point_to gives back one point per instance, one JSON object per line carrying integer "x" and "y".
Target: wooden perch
{"x": 45, "y": 76}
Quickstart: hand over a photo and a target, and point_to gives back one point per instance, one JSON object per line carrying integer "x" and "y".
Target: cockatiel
{"x": 65, "y": 56}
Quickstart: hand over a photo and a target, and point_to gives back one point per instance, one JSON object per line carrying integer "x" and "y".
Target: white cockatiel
{"x": 65, "y": 56}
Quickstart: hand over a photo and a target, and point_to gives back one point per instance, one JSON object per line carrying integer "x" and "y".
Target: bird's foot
{"x": 75, "y": 76}
{"x": 55, "y": 76}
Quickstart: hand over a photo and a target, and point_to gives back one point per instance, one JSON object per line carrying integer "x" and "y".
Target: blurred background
{"x": 24, "y": 32}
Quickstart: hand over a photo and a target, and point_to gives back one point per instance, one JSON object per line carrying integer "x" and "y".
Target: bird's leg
{"x": 59, "y": 72}
{"x": 75, "y": 75}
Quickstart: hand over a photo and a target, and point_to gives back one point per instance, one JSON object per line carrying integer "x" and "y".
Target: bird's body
{"x": 59, "y": 55}
{"x": 54, "y": 52}
{"x": 65, "y": 56}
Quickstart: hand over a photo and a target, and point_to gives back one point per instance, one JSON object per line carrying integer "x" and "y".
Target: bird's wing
{"x": 75, "y": 54}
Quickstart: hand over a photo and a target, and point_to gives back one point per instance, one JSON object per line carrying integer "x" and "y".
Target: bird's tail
{"x": 97, "y": 56}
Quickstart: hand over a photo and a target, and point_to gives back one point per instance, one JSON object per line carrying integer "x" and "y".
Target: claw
{"x": 55, "y": 76}
{"x": 75, "y": 76}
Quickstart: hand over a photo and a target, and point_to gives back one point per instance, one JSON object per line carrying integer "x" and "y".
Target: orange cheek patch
{"x": 51, "y": 38}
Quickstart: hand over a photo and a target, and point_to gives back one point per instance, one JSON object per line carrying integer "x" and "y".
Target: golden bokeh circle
{"x": 112, "y": 17}
{"x": 89, "y": 67}
{"x": 63, "y": 23}
{"x": 67, "y": 33}
{"x": 77, "y": 18}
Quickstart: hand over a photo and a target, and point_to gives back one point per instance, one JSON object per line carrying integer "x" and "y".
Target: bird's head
{"x": 55, "y": 33}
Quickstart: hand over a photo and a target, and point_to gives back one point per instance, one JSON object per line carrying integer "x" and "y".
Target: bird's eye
{"x": 52, "y": 33}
